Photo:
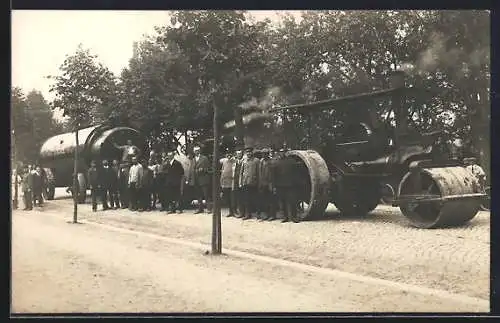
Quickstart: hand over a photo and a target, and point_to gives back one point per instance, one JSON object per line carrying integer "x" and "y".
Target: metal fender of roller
{"x": 317, "y": 184}
{"x": 449, "y": 196}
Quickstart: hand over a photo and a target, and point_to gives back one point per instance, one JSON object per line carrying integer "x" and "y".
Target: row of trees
{"x": 32, "y": 123}
{"x": 206, "y": 58}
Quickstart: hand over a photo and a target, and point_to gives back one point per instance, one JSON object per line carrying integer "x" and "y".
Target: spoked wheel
{"x": 353, "y": 197}
{"x": 424, "y": 197}
{"x": 485, "y": 205}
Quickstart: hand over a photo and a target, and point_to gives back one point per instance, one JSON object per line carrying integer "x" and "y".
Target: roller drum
{"x": 455, "y": 199}
{"x": 316, "y": 179}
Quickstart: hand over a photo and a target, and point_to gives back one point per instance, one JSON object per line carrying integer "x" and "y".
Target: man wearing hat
{"x": 273, "y": 199}
{"x": 249, "y": 180}
{"x": 285, "y": 182}
{"x": 94, "y": 184}
{"x": 134, "y": 184}
{"x": 201, "y": 178}
{"x": 265, "y": 186}
{"x": 146, "y": 187}
{"x": 27, "y": 188}
{"x": 235, "y": 185}
{"x": 173, "y": 174}
{"x": 129, "y": 150}
{"x": 226, "y": 181}
{"x": 108, "y": 181}
{"x": 123, "y": 190}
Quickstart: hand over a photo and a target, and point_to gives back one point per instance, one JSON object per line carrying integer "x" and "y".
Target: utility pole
{"x": 75, "y": 176}
{"x": 216, "y": 216}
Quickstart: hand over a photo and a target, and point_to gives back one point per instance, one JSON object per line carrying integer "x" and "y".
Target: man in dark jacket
{"x": 265, "y": 185}
{"x": 273, "y": 199}
{"x": 285, "y": 182}
{"x": 123, "y": 185}
{"x": 114, "y": 196}
{"x": 108, "y": 181}
{"x": 236, "y": 190}
{"x": 94, "y": 184}
{"x": 201, "y": 178}
{"x": 173, "y": 174}
{"x": 146, "y": 187}
{"x": 27, "y": 188}
{"x": 249, "y": 180}
{"x": 37, "y": 186}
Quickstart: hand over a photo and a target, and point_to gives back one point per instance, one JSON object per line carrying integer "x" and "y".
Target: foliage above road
{"x": 85, "y": 90}
{"x": 32, "y": 123}
{"x": 204, "y": 58}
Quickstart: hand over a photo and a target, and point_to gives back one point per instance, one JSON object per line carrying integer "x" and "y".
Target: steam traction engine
{"x": 431, "y": 188}
{"x": 95, "y": 143}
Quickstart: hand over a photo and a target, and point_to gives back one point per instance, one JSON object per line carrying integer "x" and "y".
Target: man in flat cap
{"x": 201, "y": 178}
{"x": 286, "y": 182}
{"x": 265, "y": 185}
{"x": 249, "y": 180}
{"x": 236, "y": 190}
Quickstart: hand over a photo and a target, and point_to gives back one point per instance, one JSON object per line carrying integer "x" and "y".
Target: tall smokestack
{"x": 397, "y": 80}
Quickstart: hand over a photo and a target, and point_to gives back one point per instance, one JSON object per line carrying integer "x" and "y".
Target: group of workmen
{"x": 257, "y": 184}
{"x": 254, "y": 184}
{"x": 137, "y": 184}
{"x": 32, "y": 185}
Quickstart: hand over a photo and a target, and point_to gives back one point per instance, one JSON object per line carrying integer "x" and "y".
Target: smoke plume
{"x": 264, "y": 102}
{"x": 437, "y": 54}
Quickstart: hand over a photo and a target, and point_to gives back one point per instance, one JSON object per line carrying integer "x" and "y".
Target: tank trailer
{"x": 97, "y": 142}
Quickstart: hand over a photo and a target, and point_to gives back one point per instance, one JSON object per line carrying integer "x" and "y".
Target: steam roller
{"x": 429, "y": 197}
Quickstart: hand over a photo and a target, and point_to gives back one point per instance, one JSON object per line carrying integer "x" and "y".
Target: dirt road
{"x": 61, "y": 267}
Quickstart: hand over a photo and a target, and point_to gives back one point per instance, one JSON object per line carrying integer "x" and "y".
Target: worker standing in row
{"x": 146, "y": 187}
{"x": 123, "y": 189}
{"x": 249, "y": 176}
{"x": 265, "y": 186}
{"x": 173, "y": 174}
{"x": 27, "y": 188}
{"x": 201, "y": 179}
{"x": 108, "y": 178}
{"x": 94, "y": 184}
{"x": 285, "y": 182}
{"x": 235, "y": 184}
{"x": 134, "y": 183}
{"x": 226, "y": 182}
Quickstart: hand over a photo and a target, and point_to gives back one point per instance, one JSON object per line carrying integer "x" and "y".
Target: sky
{"x": 41, "y": 39}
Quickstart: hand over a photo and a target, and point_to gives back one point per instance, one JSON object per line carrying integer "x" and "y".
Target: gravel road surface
{"x": 61, "y": 267}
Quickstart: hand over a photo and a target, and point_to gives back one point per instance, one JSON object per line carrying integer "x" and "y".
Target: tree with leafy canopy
{"x": 32, "y": 123}
{"x": 85, "y": 89}
{"x": 204, "y": 57}
{"x": 351, "y": 51}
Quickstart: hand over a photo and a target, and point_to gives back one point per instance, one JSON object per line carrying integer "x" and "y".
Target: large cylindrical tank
{"x": 94, "y": 143}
